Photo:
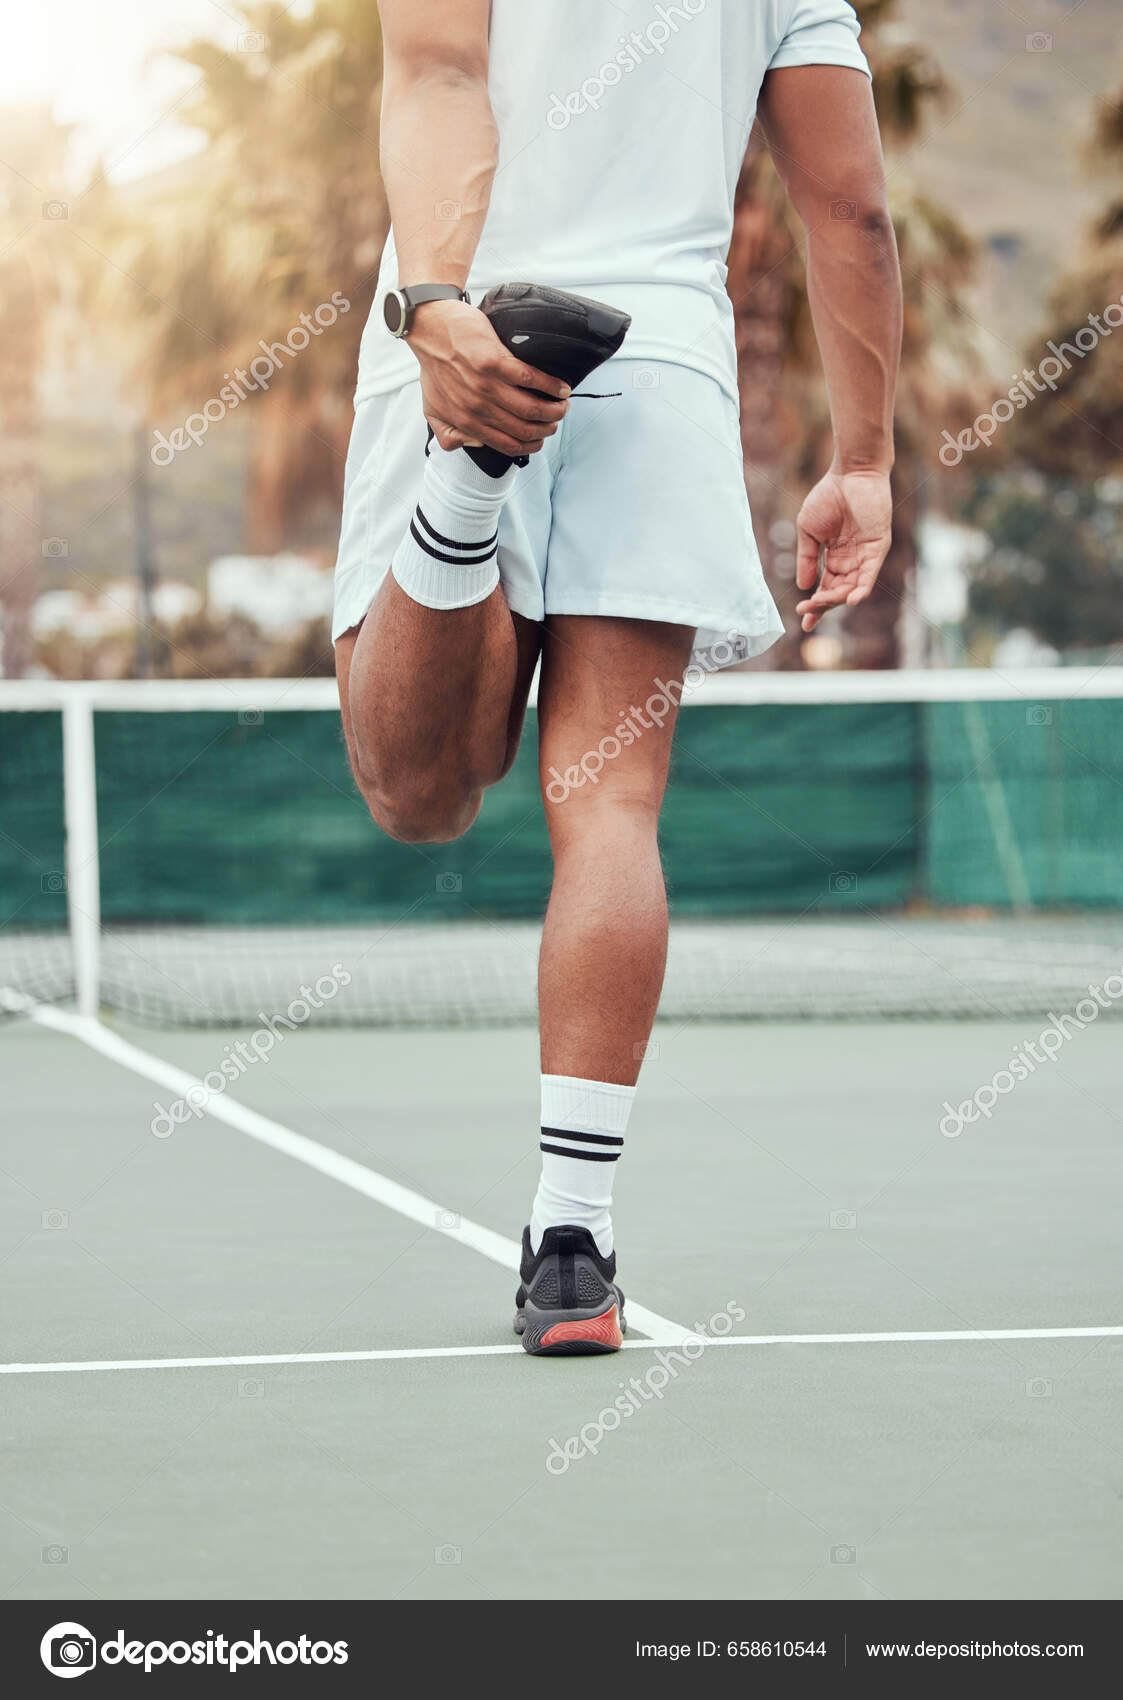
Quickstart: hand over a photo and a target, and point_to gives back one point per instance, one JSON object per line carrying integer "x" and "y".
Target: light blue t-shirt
{"x": 622, "y": 131}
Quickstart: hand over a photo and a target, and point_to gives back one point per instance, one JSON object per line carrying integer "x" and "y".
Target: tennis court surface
{"x": 265, "y": 1351}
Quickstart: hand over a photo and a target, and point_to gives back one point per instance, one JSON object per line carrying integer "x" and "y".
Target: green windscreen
{"x": 204, "y": 819}
{"x": 1024, "y": 803}
{"x": 888, "y": 840}
{"x": 32, "y": 832}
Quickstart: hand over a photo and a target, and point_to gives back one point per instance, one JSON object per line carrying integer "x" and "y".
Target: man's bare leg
{"x": 433, "y": 703}
{"x": 607, "y": 707}
{"x": 604, "y": 945}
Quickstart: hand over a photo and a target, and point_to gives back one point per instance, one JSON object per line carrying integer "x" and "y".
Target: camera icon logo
{"x": 56, "y": 209}
{"x": 68, "y": 1650}
{"x": 253, "y": 42}
{"x": 53, "y": 883}
{"x": 1039, "y": 715}
{"x": 645, "y": 378}
{"x": 1039, "y": 42}
{"x": 448, "y": 210}
{"x": 55, "y": 548}
{"x": 844, "y": 1555}
{"x": 250, "y": 717}
{"x": 843, "y": 881}
{"x": 1039, "y": 1388}
{"x": 450, "y": 882}
{"x": 845, "y": 210}
{"x": 55, "y": 1220}
{"x": 252, "y": 1388}
{"x": 844, "y": 1220}
{"x": 448, "y": 1220}
{"x": 447, "y": 1555}
{"x": 54, "y": 1554}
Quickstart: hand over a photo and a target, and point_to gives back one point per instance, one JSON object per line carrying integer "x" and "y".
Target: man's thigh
{"x": 607, "y": 704}
{"x": 528, "y": 637}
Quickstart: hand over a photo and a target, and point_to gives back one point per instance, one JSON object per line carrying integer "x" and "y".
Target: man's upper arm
{"x": 821, "y": 128}
{"x": 817, "y": 112}
{"x": 446, "y": 37}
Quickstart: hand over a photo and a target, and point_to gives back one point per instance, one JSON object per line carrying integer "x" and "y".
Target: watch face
{"x": 394, "y": 312}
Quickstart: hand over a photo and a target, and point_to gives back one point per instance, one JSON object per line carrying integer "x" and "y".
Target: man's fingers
{"x": 483, "y": 424}
{"x": 493, "y": 417}
{"x": 807, "y": 560}
{"x": 481, "y": 414}
{"x": 517, "y": 406}
{"x": 506, "y": 444}
{"x": 451, "y": 437}
{"x": 521, "y": 376}
{"x": 826, "y": 596}
{"x": 522, "y": 405}
{"x": 447, "y": 435}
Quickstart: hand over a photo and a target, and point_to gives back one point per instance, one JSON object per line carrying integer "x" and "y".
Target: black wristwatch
{"x": 401, "y": 304}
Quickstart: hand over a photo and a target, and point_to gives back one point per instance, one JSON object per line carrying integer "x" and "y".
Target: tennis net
{"x": 941, "y": 844}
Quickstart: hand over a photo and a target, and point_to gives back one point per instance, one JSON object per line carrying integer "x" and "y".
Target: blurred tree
{"x": 284, "y": 209}
{"x": 1078, "y": 432}
{"x": 31, "y": 267}
{"x": 1056, "y": 561}
{"x": 1055, "y": 516}
{"x": 785, "y": 423}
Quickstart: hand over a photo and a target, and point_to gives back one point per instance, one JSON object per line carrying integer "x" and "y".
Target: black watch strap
{"x": 401, "y": 304}
{"x": 416, "y": 294}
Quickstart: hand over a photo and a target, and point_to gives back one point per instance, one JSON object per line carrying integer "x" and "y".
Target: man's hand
{"x": 475, "y": 391}
{"x": 849, "y": 515}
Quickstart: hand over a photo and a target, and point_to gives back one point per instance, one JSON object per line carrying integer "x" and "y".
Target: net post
{"x": 83, "y": 884}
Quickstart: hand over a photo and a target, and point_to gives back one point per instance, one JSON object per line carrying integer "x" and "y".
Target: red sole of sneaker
{"x": 599, "y": 1334}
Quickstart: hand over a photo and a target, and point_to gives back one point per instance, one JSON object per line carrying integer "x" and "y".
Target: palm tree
{"x": 283, "y": 210}
{"x": 785, "y": 423}
{"x": 1079, "y": 432}
{"x": 31, "y": 265}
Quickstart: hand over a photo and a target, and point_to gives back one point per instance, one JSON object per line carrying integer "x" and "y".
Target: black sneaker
{"x": 569, "y": 1302}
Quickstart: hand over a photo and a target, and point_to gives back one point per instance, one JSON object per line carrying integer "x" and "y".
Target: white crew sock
{"x": 447, "y": 558}
{"x": 583, "y": 1127}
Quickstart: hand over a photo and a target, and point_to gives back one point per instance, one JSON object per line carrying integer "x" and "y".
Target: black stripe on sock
{"x": 450, "y": 542}
{"x": 453, "y": 560}
{"x": 582, "y": 1156}
{"x": 587, "y": 1138}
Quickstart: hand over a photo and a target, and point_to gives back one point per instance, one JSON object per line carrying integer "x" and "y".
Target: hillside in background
{"x": 1008, "y": 154}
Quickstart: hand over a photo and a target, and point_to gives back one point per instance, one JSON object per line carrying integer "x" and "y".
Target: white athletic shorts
{"x": 636, "y": 507}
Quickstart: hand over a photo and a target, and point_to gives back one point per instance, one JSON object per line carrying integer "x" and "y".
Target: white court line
{"x": 357, "y": 1176}
{"x": 261, "y": 1361}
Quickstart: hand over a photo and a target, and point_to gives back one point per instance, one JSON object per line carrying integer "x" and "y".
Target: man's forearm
{"x": 854, "y": 286}
{"x": 821, "y": 126}
{"x": 439, "y": 151}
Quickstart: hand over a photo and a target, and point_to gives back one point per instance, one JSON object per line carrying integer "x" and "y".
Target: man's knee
{"x": 418, "y": 812}
{"x": 586, "y": 814}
